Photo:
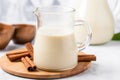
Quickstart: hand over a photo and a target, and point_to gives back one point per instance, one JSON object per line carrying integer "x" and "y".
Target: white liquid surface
{"x": 55, "y": 49}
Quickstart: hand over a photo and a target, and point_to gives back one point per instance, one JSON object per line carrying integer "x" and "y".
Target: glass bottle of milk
{"x": 97, "y": 13}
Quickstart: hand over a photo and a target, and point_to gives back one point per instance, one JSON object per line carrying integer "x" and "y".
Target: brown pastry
{"x": 23, "y": 33}
{"x": 6, "y": 33}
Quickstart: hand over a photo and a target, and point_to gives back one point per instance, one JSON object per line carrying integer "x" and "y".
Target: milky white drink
{"x": 55, "y": 49}
{"x": 97, "y": 13}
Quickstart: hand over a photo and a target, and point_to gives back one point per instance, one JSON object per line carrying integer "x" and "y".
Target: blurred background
{"x": 21, "y": 11}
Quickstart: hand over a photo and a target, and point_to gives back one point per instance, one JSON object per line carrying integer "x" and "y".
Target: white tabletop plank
{"x": 107, "y": 66}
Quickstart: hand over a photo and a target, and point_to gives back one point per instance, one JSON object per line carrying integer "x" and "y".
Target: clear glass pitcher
{"x": 98, "y": 14}
{"x": 55, "y": 46}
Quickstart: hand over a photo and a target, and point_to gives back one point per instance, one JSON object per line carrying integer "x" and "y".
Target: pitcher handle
{"x": 83, "y": 45}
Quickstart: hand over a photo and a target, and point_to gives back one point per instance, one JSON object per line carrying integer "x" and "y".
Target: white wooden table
{"x": 107, "y": 66}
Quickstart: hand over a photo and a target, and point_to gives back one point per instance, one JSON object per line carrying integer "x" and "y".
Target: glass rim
{"x": 58, "y": 9}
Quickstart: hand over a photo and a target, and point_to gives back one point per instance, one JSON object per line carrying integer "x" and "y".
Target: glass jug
{"x": 55, "y": 47}
{"x": 97, "y": 13}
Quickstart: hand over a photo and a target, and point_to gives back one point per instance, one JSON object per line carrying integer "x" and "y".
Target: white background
{"x": 21, "y": 11}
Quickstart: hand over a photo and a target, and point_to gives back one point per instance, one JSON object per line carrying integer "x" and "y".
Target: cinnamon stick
{"x": 16, "y": 56}
{"x": 86, "y": 57}
{"x": 30, "y": 49}
{"x": 30, "y": 62}
{"x": 16, "y": 52}
{"x": 27, "y": 65}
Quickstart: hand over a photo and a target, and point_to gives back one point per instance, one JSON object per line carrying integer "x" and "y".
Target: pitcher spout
{"x": 36, "y": 12}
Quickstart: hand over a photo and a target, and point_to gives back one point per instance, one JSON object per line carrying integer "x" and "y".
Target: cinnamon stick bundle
{"x": 24, "y": 56}
{"x": 13, "y": 56}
